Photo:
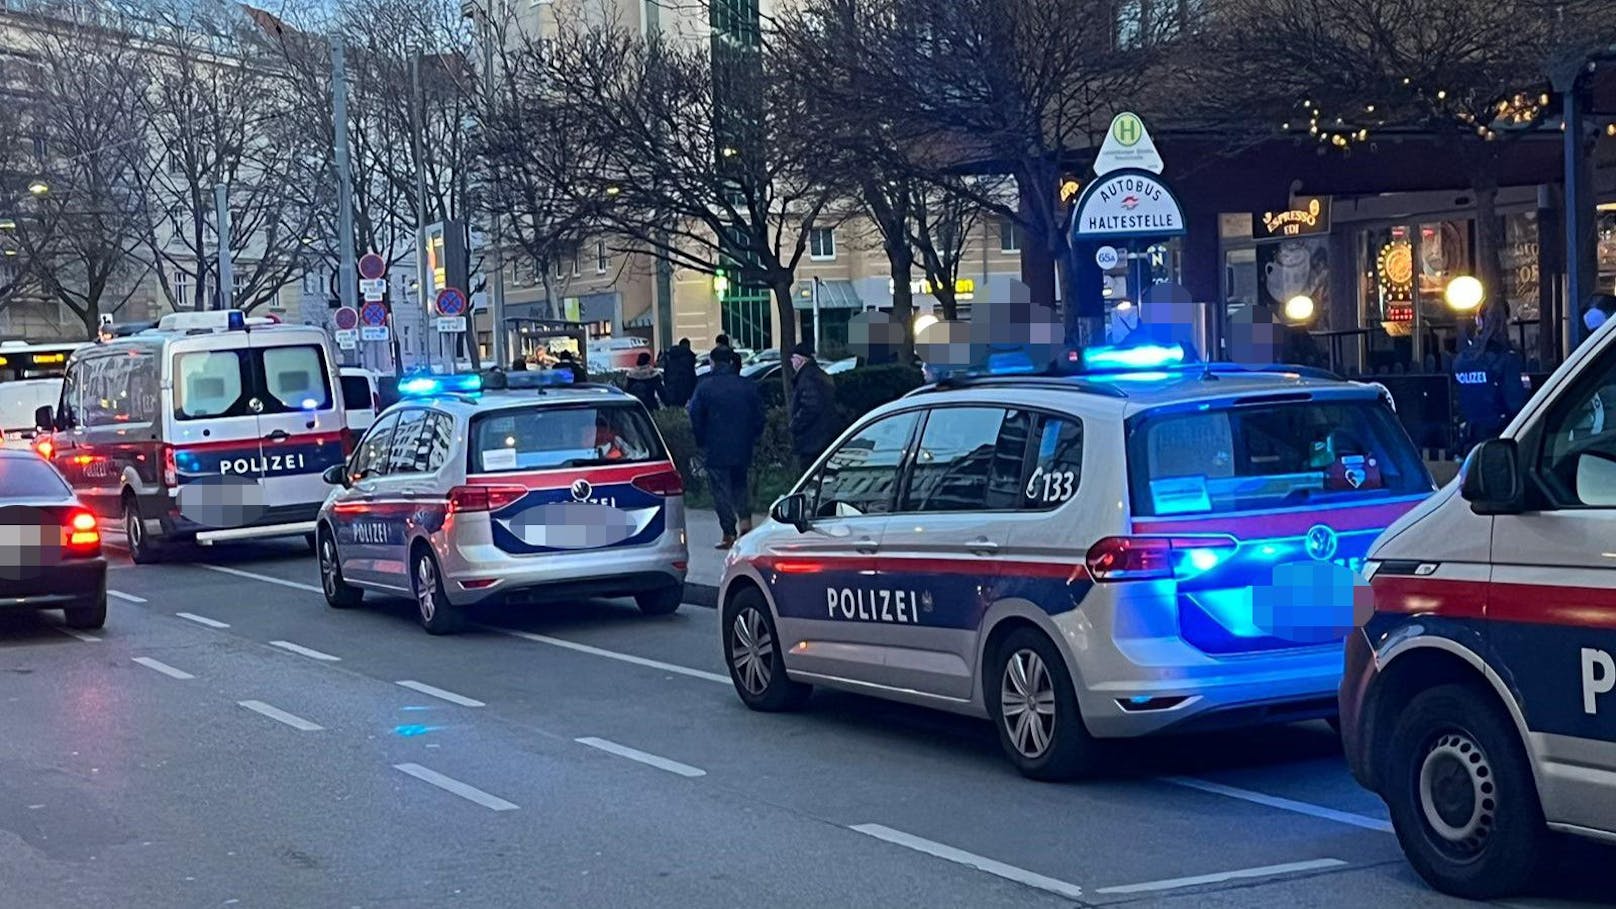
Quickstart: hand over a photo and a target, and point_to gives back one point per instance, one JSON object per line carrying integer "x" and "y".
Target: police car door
{"x": 360, "y": 524}
{"x": 398, "y": 495}
{"x": 827, "y": 592}
{"x": 214, "y": 432}
{"x": 299, "y": 423}
{"x": 1551, "y": 605}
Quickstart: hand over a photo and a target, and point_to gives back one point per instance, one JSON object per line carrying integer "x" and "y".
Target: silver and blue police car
{"x": 1153, "y": 545}
{"x": 535, "y": 489}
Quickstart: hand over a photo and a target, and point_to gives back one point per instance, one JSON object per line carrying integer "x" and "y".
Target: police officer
{"x": 1488, "y": 372}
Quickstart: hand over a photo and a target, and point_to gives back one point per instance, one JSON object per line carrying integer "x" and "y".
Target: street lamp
{"x": 39, "y": 187}
{"x": 1299, "y": 308}
{"x": 924, "y": 321}
{"x": 1464, "y": 294}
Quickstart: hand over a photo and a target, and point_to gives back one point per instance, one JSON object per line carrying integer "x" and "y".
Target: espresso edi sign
{"x": 1308, "y": 215}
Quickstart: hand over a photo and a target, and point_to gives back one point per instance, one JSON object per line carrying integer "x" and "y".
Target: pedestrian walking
{"x": 679, "y": 375}
{"x": 813, "y": 406}
{"x": 645, "y": 382}
{"x": 564, "y": 360}
{"x": 726, "y": 418}
{"x": 1488, "y": 372}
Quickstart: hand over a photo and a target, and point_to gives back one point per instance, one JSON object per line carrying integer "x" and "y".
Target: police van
{"x": 1479, "y": 698}
{"x": 210, "y": 427}
{"x": 530, "y": 489}
{"x": 1152, "y": 546}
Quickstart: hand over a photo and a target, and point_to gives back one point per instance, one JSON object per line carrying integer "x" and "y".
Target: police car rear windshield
{"x": 1266, "y": 456}
{"x": 552, "y": 437}
{"x": 225, "y": 383}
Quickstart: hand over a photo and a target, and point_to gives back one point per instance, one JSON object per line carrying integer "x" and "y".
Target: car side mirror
{"x": 793, "y": 510}
{"x": 336, "y": 475}
{"x": 1490, "y": 479}
{"x": 44, "y": 419}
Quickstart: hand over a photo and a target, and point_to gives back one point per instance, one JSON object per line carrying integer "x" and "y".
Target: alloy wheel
{"x": 752, "y": 651}
{"x": 1027, "y": 704}
{"x": 426, "y": 588}
{"x": 328, "y": 566}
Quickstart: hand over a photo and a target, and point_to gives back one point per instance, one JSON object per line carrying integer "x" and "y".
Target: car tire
{"x": 752, "y": 653}
{"x": 142, "y": 550}
{"x": 312, "y": 541}
{"x": 432, "y": 607}
{"x": 87, "y": 618}
{"x": 1034, "y": 707}
{"x": 662, "y": 601}
{"x": 339, "y": 594}
{"x": 1462, "y": 799}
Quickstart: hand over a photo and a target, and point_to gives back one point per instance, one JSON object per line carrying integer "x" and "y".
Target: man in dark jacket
{"x": 813, "y": 406}
{"x": 1488, "y": 372}
{"x": 645, "y": 383}
{"x": 679, "y": 374}
{"x": 564, "y": 360}
{"x": 726, "y": 417}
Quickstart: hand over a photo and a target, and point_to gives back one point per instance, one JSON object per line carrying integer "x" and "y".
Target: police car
{"x": 1152, "y": 546}
{"x": 1479, "y": 698}
{"x": 529, "y": 489}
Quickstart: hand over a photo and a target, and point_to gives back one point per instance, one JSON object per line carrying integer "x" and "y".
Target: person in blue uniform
{"x": 1488, "y": 373}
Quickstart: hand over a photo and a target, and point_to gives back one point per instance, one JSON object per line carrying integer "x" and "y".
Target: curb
{"x": 701, "y": 595}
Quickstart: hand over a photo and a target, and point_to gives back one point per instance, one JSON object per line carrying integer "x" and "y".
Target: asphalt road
{"x": 228, "y": 740}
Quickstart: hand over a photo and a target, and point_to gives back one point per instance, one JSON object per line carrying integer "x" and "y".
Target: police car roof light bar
{"x": 1134, "y": 357}
{"x": 423, "y": 386}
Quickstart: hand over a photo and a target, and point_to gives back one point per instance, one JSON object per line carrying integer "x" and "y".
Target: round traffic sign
{"x": 451, "y": 302}
{"x": 372, "y": 266}
{"x": 1106, "y": 257}
{"x": 346, "y": 318}
{"x": 373, "y": 314}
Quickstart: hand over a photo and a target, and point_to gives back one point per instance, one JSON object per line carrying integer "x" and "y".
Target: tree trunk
{"x": 786, "y": 314}
{"x": 902, "y": 261}
{"x": 1489, "y": 243}
{"x": 948, "y": 300}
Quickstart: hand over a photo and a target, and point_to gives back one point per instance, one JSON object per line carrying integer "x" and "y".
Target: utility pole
{"x": 347, "y": 271}
{"x": 227, "y": 280}
{"x": 417, "y": 125}
{"x": 496, "y": 287}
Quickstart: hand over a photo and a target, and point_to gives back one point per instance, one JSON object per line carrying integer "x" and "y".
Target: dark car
{"x": 50, "y": 547}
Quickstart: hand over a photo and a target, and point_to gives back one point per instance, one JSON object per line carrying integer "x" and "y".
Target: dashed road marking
{"x": 1273, "y": 801}
{"x": 441, "y": 694}
{"x": 972, "y": 860}
{"x": 129, "y": 597}
{"x": 449, "y": 784}
{"x": 75, "y": 633}
{"x": 644, "y": 757}
{"x": 164, "y": 668}
{"x": 1224, "y": 876}
{"x": 309, "y": 652}
{"x": 202, "y": 620}
{"x": 267, "y": 579}
{"x": 281, "y": 716}
{"x": 614, "y": 655}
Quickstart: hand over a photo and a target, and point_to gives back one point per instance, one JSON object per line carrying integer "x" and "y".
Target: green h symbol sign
{"x": 1128, "y": 129}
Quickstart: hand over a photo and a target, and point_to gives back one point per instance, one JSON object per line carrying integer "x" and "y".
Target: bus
{"x": 30, "y": 377}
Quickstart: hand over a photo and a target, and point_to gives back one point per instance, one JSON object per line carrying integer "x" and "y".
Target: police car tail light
{"x": 171, "y": 471}
{"x": 1157, "y": 558}
{"x": 83, "y": 536}
{"x": 483, "y": 498}
{"x": 662, "y": 483}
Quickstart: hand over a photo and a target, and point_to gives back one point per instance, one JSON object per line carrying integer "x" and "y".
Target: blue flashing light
{"x": 421, "y": 386}
{"x": 1009, "y": 363}
{"x": 235, "y": 320}
{"x": 1134, "y": 357}
{"x": 538, "y": 378}
{"x": 310, "y": 404}
{"x": 1203, "y": 559}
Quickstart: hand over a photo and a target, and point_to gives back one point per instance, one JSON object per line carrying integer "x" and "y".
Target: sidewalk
{"x": 706, "y": 563}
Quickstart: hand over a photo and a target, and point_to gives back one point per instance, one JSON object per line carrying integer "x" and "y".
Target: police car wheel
{"x": 1461, "y": 795}
{"x": 1034, "y": 707}
{"x": 339, "y": 594}
{"x": 752, "y": 652}
{"x": 142, "y": 551}
{"x": 437, "y": 614}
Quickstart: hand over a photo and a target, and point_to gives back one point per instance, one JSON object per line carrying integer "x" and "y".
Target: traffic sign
{"x": 346, "y": 336}
{"x": 447, "y": 324}
{"x": 1127, "y": 146}
{"x": 1106, "y": 257}
{"x": 451, "y": 301}
{"x": 1126, "y": 204}
{"x": 372, "y": 266}
{"x": 373, "y": 314}
{"x": 374, "y": 333}
{"x": 346, "y": 318}
{"x": 369, "y": 286}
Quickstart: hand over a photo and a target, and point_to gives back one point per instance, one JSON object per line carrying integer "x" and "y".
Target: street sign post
{"x": 1127, "y": 146}
{"x": 372, "y": 267}
{"x": 345, "y": 318}
{"x": 374, "y": 333}
{"x": 1106, "y": 257}
{"x": 347, "y": 338}
{"x": 373, "y": 314}
{"x": 451, "y": 301}
{"x": 373, "y": 288}
{"x": 1127, "y": 204}
{"x": 448, "y": 324}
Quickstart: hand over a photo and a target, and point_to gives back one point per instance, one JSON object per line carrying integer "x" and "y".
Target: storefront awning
{"x": 643, "y": 320}
{"x": 832, "y": 295}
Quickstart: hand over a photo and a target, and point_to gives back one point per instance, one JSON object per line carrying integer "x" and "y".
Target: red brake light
{"x": 1156, "y": 558}
{"x": 662, "y": 483}
{"x": 45, "y": 448}
{"x": 483, "y": 498}
{"x": 171, "y": 473}
{"x": 83, "y": 536}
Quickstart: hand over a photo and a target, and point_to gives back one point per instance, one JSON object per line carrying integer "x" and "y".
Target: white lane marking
{"x": 644, "y": 757}
{"x": 305, "y": 651}
{"x": 449, "y": 696}
{"x": 75, "y": 633}
{"x": 972, "y": 860}
{"x": 202, "y": 620}
{"x": 279, "y": 715}
{"x": 1283, "y": 804}
{"x": 1242, "y": 874}
{"x": 295, "y": 585}
{"x": 614, "y": 655}
{"x": 118, "y": 594}
{"x": 164, "y": 668}
{"x": 449, "y": 784}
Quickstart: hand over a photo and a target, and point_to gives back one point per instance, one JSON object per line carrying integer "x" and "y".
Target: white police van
{"x": 1479, "y": 698}
{"x": 1153, "y": 546}
{"x": 210, "y": 427}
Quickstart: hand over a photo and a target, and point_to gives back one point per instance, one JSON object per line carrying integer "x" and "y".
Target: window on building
{"x": 603, "y": 260}
{"x": 822, "y": 243}
{"x": 561, "y": 264}
{"x": 1130, "y": 24}
{"x": 1009, "y": 236}
{"x": 182, "y": 290}
{"x": 577, "y": 255}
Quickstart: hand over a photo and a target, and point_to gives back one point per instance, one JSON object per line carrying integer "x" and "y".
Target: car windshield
{"x": 1261, "y": 456}
{"x": 29, "y": 477}
{"x": 546, "y": 438}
